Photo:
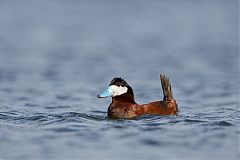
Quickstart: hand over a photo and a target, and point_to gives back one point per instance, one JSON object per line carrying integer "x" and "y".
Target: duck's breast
{"x": 125, "y": 110}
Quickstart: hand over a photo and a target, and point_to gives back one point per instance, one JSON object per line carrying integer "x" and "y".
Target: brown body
{"x": 130, "y": 110}
{"x": 124, "y": 106}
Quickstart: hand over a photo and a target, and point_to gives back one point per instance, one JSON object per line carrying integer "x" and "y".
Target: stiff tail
{"x": 166, "y": 87}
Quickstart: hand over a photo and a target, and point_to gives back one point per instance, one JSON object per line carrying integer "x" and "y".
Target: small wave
{"x": 193, "y": 120}
{"x": 35, "y": 118}
{"x": 218, "y": 123}
{"x": 223, "y": 123}
{"x": 73, "y": 115}
{"x": 52, "y": 121}
{"x": 151, "y": 142}
{"x": 149, "y": 117}
{"x": 46, "y": 118}
{"x": 96, "y": 111}
{"x": 62, "y": 97}
{"x": 208, "y": 121}
{"x": 22, "y": 119}
{"x": 11, "y": 112}
{"x": 22, "y": 98}
{"x": 63, "y": 129}
{"x": 57, "y": 107}
{"x": 4, "y": 117}
{"x": 31, "y": 105}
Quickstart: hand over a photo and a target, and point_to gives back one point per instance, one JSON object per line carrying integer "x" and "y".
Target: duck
{"x": 124, "y": 106}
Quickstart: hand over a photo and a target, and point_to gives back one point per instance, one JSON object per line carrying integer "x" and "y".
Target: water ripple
{"x": 223, "y": 123}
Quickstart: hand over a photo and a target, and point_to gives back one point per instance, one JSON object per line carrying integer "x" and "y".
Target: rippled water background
{"x": 56, "y": 56}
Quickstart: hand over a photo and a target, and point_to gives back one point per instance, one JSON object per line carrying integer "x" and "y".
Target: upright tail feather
{"x": 166, "y": 87}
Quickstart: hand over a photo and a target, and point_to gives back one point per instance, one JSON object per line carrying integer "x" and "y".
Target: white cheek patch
{"x": 118, "y": 90}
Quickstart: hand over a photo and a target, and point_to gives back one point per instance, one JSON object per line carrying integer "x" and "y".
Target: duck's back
{"x": 161, "y": 108}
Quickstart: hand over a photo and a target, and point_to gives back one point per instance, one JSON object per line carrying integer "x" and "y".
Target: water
{"x": 56, "y": 56}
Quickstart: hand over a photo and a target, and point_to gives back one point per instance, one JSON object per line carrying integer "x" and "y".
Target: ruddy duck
{"x": 124, "y": 106}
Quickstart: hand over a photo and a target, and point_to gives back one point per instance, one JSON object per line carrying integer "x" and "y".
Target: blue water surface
{"x": 56, "y": 56}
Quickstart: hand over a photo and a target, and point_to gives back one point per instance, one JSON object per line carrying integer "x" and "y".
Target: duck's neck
{"x": 126, "y": 98}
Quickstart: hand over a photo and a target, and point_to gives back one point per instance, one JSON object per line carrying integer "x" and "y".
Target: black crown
{"x": 118, "y": 81}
